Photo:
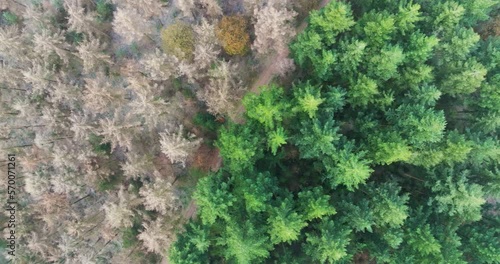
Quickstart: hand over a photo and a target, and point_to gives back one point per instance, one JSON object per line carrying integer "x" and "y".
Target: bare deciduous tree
{"x": 81, "y": 126}
{"x": 47, "y": 42}
{"x": 36, "y": 17}
{"x": 156, "y": 236}
{"x": 137, "y": 165}
{"x": 250, "y": 5}
{"x": 67, "y": 181}
{"x": 64, "y": 93}
{"x": 31, "y": 159}
{"x": 38, "y": 76}
{"x": 119, "y": 130}
{"x": 37, "y": 183}
{"x": 206, "y": 48}
{"x": 11, "y": 43}
{"x": 71, "y": 248}
{"x": 41, "y": 246}
{"x": 25, "y": 108}
{"x": 62, "y": 158}
{"x": 176, "y": 147}
{"x": 96, "y": 169}
{"x": 212, "y": 7}
{"x": 10, "y": 75}
{"x": 160, "y": 196}
{"x": 119, "y": 214}
{"x": 150, "y": 106}
{"x": 190, "y": 71}
{"x": 91, "y": 53}
{"x": 218, "y": 96}
{"x": 45, "y": 138}
{"x": 53, "y": 119}
{"x": 205, "y": 54}
{"x": 149, "y": 8}
{"x": 159, "y": 66}
{"x": 186, "y": 7}
{"x": 78, "y": 19}
{"x": 101, "y": 94}
{"x": 131, "y": 25}
{"x": 222, "y": 90}
{"x": 273, "y": 29}
{"x": 285, "y": 65}
{"x": 52, "y": 209}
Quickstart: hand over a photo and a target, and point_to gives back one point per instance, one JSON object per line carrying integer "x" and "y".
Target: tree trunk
{"x": 22, "y": 127}
{"x": 13, "y": 89}
{"x": 402, "y": 173}
{"x": 20, "y": 146}
{"x": 15, "y": 1}
{"x": 84, "y": 197}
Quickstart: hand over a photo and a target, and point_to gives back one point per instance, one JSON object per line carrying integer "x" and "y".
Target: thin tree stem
{"x": 81, "y": 199}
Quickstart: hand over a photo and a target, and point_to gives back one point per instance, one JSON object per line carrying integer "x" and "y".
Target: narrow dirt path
{"x": 270, "y": 70}
{"x": 190, "y": 210}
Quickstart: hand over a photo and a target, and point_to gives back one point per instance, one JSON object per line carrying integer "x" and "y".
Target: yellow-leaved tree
{"x": 233, "y": 34}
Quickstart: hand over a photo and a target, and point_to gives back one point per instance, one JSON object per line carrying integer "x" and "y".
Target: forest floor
{"x": 270, "y": 70}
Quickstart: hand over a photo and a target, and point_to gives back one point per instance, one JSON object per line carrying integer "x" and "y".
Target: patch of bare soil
{"x": 164, "y": 166}
{"x": 362, "y": 258}
{"x": 190, "y": 211}
{"x": 207, "y": 159}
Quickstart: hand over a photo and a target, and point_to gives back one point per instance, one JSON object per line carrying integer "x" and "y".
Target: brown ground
{"x": 164, "y": 167}
{"x": 190, "y": 210}
{"x": 207, "y": 159}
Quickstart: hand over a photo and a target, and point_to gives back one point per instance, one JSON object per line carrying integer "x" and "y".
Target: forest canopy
{"x": 110, "y": 109}
{"x": 250, "y": 131}
{"x": 385, "y": 147}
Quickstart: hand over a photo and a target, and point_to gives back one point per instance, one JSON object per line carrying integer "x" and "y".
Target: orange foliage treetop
{"x": 232, "y": 33}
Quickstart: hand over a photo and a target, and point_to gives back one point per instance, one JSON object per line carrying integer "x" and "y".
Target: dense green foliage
{"x": 104, "y": 10}
{"x": 387, "y": 147}
{"x": 98, "y": 146}
{"x": 9, "y": 18}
